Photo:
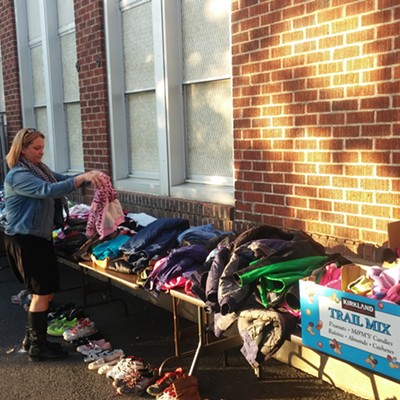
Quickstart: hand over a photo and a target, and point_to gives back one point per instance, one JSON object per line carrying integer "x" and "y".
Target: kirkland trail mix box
{"x": 350, "y": 327}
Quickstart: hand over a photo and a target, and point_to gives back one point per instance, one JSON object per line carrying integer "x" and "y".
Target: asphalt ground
{"x": 147, "y": 332}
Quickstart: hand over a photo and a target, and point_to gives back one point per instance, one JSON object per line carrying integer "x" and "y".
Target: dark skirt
{"x": 34, "y": 263}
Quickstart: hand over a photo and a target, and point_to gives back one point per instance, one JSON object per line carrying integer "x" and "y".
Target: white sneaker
{"x": 107, "y": 357}
{"x": 123, "y": 366}
{"x": 107, "y": 367}
{"x": 84, "y": 327}
{"x": 129, "y": 368}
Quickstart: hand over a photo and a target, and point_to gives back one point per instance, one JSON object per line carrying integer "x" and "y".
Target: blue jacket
{"x": 29, "y": 201}
{"x": 156, "y": 238}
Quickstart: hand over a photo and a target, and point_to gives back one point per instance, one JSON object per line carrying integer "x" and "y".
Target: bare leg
{"x": 40, "y": 303}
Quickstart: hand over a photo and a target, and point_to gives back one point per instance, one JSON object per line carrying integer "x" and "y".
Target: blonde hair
{"x": 22, "y": 140}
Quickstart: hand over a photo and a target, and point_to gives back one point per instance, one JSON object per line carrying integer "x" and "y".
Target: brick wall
{"x": 91, "y": 61}
{"x": 316, "y": 116}
{"x": 9, "y": 54}
{"x": 197, "y": 213}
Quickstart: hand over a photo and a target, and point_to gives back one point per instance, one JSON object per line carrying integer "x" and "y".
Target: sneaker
{"x": 131, "y": 367}
{"x": 95, "y": 365}
{"x": 87, "y": 339}
{"x": 96, "y": 353}
{"x": 168, "y": 394}
{"x": 56, "y": 323}
{"x": 107, "y": 367}
{"x": 138, "y": 385}
{"x": 127, "y": 379}
{"x": 18, "y": 298}
{"x": 59, "y": 329}
{"x": 124, "y": 366}
{"x": 108, "y": 357}
{"x": 107, "y": 354}
{"x": 84, "y": 327}
{"x": 133, "y": 372}
{"x": 166, "y": 380}
{"x": 94, "y": 345}
{"x": 61, "y": 311}
{"x": 75, "y": 312}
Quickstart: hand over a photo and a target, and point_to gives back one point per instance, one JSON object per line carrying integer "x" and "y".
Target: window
{"x": 70, "y": 80}
{"x": 170, "y": 97}
{"x": 50, "y": 104}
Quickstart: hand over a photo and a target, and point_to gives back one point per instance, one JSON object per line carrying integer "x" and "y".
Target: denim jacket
{"x": 29, "y": 201}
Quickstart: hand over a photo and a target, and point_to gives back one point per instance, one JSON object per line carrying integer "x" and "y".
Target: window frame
{"x": 56, "y": 135}
{"x": 170, "y": 106}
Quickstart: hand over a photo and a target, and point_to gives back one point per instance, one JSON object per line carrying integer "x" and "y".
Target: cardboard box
{"x": 394, "y": 235}
{"x": 351, "y": 327}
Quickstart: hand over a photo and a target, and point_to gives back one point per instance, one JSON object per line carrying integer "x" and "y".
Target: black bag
{"x": 59, "y": 220}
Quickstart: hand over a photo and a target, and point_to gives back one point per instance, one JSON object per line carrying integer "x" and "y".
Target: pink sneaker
{"x": 94, "y": 348}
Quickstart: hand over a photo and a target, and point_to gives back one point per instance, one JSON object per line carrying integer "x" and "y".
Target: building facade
{"x": 237, "y": 113}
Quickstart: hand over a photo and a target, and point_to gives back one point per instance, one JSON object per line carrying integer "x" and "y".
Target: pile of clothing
{"x": 250, "y": 279}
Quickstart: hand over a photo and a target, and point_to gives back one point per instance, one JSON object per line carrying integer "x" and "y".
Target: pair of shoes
{"x": 138, "y": 384}
{"x": 94, "y": 346}
{"x": 107, "y": 367}
{"x": 106, "y": 357}
{"x": 94, "y": 355}
{"x": 124, "y": 366}
{"x": 84, "y": 327}
{"x": 58, "y": 326}
{"x": 61, "y": 311}
{"x": 166, "y": 380}
{"x": 131, "y": 371}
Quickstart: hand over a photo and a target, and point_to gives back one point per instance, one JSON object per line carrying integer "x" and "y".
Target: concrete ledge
{"x": 350, "y": 378}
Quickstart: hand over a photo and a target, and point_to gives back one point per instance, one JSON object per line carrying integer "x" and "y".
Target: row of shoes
{"x": 70, "y": 322}
{"x": 129, "y": 374}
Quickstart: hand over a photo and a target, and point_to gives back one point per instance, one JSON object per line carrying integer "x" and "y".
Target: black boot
{"x": 39, "y": 349}
{"x": 26, "y": 341}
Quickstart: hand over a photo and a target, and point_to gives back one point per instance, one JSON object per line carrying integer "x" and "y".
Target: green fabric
{"x": 280, "y": 276}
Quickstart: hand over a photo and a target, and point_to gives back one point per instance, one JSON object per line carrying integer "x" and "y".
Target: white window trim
{"x": 56, "y": 136}
{"x": 169, "y": 103}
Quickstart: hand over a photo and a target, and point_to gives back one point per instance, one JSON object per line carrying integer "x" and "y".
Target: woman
{"x": 31, "y": 192}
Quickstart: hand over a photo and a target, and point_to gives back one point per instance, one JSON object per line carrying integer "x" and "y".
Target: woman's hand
{"x": 93, "y": 177}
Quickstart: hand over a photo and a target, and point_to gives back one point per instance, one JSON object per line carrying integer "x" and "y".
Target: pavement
{"x": 147, "y": 332}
